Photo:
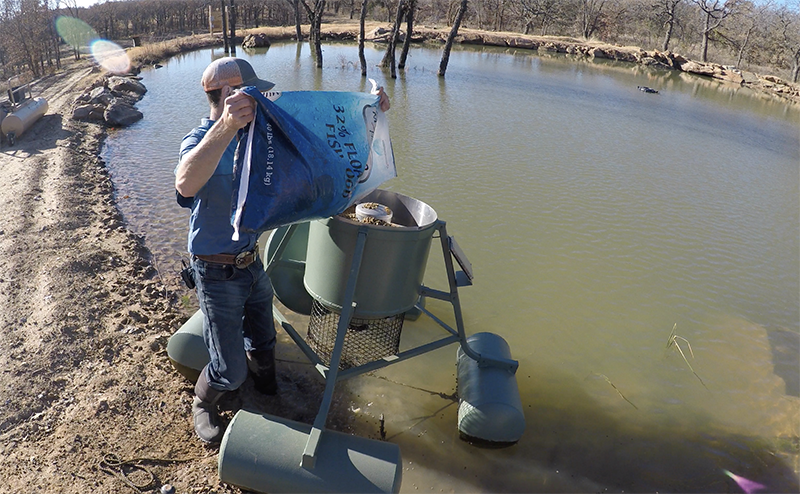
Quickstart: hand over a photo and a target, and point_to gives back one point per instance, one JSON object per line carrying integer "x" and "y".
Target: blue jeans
{"x": 237, "y": 310}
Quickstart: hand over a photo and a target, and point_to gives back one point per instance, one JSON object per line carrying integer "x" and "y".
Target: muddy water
{"x": 597, "y": 218}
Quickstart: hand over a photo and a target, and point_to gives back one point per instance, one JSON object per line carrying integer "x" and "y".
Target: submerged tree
{"x": 315, "y": 32}
{"x": 224, "y": 13}
{"x": 361, "y": 35}
{"x": 411, "y": 6}
{"x": 388, "y": 57}
{"x": 462, "y": 9}
{"x": 297, "y": 29}
{"x": 232, "y": 22}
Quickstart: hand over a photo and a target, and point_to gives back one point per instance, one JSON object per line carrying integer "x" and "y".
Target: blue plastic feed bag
{"x": 308, "y": 155}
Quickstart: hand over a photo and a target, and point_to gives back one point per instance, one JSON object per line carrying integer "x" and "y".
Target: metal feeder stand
{"x": 254, "y": 456}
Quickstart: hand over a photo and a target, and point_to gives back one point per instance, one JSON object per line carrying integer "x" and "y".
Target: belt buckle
{"x": 244, "y": 259}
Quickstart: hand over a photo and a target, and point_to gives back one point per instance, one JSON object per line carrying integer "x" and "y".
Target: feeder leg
{"x": 348, "y": 305}
{"x": 281, "y": 247}
{"x": 483, "y": 360}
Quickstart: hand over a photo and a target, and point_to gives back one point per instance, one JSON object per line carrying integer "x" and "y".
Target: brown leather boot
{"x": 262, "y": 366}
{"x": 204, "y": 411}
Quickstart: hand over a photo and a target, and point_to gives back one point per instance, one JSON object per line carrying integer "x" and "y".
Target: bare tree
{"x": 224, "y": 25}
{"x": 750, "y": 20}
{"x": 232, "y": 19}
{"x": 667, "y": 9}
{"x": 315, "y": 33}
{"x": 789, "y": 26}
{"x": 410, "y": 8}
{"x": 388, "y": 58}
{"x": 462, "y": 9}
{"x": 298, "y": 30}
{"x": 532, "y": 13}
{"x": 714, "y": 12}
{"x": 590, "y": 12}
{"x": 361, "y": 35}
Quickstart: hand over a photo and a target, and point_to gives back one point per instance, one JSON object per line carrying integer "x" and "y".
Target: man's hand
{"x": 238, "y": 110}
{"x": 198, "y": 165}
{"x": 384, "y": 100}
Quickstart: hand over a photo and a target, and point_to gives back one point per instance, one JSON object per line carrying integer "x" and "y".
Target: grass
{"x": 615, "y": 388}
{"x": 151, "y": 53}
{"x": 672, "y": 341}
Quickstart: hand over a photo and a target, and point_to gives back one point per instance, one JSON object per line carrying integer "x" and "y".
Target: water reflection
{"x": 597, "y": 217}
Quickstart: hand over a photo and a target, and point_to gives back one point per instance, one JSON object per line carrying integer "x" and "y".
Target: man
{"x": 233, "y": 290}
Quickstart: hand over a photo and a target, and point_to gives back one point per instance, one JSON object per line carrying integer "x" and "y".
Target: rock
{"x": 522, "y": 43}
{"x": 495, "y": 40}
{"x": 99, "y": 96}
{"x": 734, "y": 76}
{"x": 774, "y": 79}
{"x": 379, "y": 34}
{"x": 548, "y": 47}
{"x": 121, "y": 114}
{"x": 750, "y": 77}
{"x": 125, "y": 84}
{"x": 89, "y": 113}
{"x": 597, "y": 53}
{"x": 697, "y": 68}
{"x": 678, "y": 60}
{"x": 470, "y": 39}
{"x": 259, "y": 40}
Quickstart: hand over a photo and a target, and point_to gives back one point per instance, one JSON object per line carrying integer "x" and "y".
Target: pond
{"x": 598, "y": 218}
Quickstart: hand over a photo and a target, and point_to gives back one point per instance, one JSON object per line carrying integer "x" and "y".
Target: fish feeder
{"x": 359, "y": 280}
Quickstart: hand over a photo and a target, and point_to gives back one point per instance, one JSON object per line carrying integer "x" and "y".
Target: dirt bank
{"x": 85, "y": 318}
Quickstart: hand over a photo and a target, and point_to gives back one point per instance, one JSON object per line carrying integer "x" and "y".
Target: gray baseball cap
{"x": 231, "y": 71}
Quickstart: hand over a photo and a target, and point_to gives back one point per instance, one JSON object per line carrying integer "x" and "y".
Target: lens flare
{"x": 747, "y": 485}
{"x": 75, "y": 32}
{"x": 111, "y": 56}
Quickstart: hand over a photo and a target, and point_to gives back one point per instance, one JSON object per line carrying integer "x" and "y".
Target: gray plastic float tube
{"x": 262, "y": 452}
{"x": 490, "y": 408}
{"x": 186, "y": 349}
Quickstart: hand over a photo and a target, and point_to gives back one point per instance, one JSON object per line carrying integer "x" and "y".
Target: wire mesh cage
{"x": 366, "y": 340}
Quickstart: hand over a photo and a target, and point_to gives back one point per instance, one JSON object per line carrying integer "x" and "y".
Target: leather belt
{"x": 241, "y": 260}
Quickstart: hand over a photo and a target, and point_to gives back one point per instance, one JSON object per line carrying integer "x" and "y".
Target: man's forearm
{"x": 198, "y": 165}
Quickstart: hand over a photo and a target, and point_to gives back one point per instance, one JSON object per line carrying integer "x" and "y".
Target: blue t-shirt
{"x": 210, "y": 227}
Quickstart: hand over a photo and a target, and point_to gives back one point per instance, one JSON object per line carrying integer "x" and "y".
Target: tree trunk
{"x": 361, "y": 35}
{"x": 224, "y": 13}
{"x": 316, "y": 27}
{"x": 743, "y": 48}
{"x": 298, "y": 30}
{"x": 232, "y": 15}
{"x": 388, "y": 57}
{"x": 669, "y": 24}
{"x": 704, "y": 45}
{"x": 452, "y": 36}
{"x": 410, "y": 8}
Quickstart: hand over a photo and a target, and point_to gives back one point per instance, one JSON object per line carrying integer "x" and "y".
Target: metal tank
{"x": 23, "y": 117}
{"x": 393, "y": 262}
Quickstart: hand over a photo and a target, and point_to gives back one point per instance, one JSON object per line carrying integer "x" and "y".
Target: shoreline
{"x": 377, "y": 33}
